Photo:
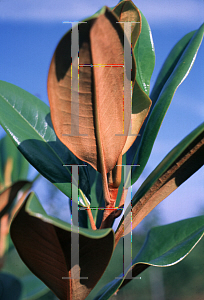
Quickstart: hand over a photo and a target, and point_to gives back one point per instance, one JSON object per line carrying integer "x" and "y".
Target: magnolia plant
{"x": 96, "y": 139}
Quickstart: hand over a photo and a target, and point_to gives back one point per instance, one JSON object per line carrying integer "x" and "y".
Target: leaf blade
{"x": 155, "y": 119}
{"x": 55, "y": 239}
{"x": 99, "y": 52}
{"x": 169, "y": 65}
{"x": 180, "y": 163}
{"x": 98, "y": 108}
{"x": 145, "y": 56}
{"x": 164, "y": 246}
{"x": 33, "y": 134}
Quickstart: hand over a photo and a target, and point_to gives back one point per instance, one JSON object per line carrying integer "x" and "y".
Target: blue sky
{"x": 30, "y": 31}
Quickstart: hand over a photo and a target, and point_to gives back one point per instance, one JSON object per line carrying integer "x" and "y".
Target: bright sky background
{"x": 30, "y": 31}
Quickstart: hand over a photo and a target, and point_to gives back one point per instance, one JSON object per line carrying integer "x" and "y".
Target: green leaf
{"x": 145, "y": 56}
{"x": 177, "y": 76}
{"x": 162, "y": 78}
{"x": 143, "y": 60}
{"x": 164, "y": 246}
{"x": 169, "y": 65}
{"x": 27, "y": 121}
{"x": 10, "y": 287}
{"x": 13, "y": 166}
{"x": 183, "y": 161}
{"x": 194, "y": 140}
{"x": 172, "y": 242}
{"x": 44, "y": 245}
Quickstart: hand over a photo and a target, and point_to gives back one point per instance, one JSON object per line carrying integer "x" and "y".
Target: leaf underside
{"x": 182, "y": 162}
{"x": 90, "y": 123}
{"x": 44, "y": 245}
{"x": 100, "y": 92}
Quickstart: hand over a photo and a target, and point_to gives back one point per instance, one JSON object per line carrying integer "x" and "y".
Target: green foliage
{"x": 44, "y": 242}
{"x": 175, "y": 69}
{"x": 164, "y": 246}
{"x": 170, "y": 159}
{"x": 32, "y": 132}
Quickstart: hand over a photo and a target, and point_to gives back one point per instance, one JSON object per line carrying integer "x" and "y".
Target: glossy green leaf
{"x": 13, "y": 166}
{"x": 169, "y": 65}
{"x": 164, "y": 246}
{"x": 145, "y": 56}
{"x": 10, "y": 287}
{"x": 44, "y": 244}
{"x": 189, "y": 142}
{"x": 162, "y": 78}
{"x": 27, "y": 121}
{"x": 143, "y": 60}
{"x": 179, "y": 73}
{"x": 182, "y": 162}
{"x": 143, "y": 49}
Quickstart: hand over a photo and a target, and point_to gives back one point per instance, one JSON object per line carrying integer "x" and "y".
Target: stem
{"x": 113, "y": 183}
{"x": 120, "y": 230}
{"x": 111, "y": 213}
{"x": 91, "y": 219}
